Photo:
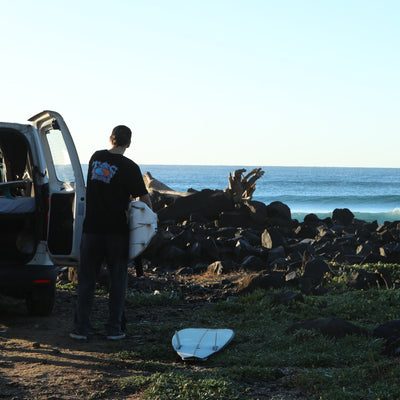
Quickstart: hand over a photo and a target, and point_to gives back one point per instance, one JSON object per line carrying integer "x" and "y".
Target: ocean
{"x": 370, "y": 193}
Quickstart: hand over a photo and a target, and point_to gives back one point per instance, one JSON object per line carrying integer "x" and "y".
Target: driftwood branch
{"x": 154, "y": 185}
{"x": 161, "y": 195}
{"x": 242, "y": 188}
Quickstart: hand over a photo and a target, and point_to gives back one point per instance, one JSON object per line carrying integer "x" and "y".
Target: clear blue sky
{"x": 250, "y": 82}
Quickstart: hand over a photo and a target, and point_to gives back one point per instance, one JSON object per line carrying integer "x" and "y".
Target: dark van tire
{"x": 41, "y": 300}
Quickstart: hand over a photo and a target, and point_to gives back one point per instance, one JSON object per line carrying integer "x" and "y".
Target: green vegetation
{"x": 157, "y": 298}
{"x": 262, "y": 354}
{"x": 183, "y": 384}
{"x": 66, "y": 286}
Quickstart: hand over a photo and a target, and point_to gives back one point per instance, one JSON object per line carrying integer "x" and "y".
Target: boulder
{"x": 324, "y": 232}
{"x": 243, "y": 248}
{"x": 347, "y": 258}
{"x": 371, "y": 226}
{"x": 331, "y": 327}
{"x": 324, "y": 248}
{"x": 207, "y": 203}
{"x": 257, "y": 212}
{"x": 226, "y": 232}
{"x": 363, "y": 280}
{"x": 384, "y": 226}
{"x": 219, "y": 268}
{"x": 342, "y": 216}
{"x": 209, "y": 248}
{"x": 275, "y": 254}
{"x": 286, "y": 297}
{"x": 272, "y": 238}
{"x": 292, "y": 278}
{"x": 195, "y": 251}
{"x": 391, "y": 252}
{"x": 161, "y": 240}
{"x": 233, "y": 218}
{"x": 262, "y": 280}
{"x": 390, "y": 332}
{"x": 362, "y": 234}
{"x": 386, "y": 236}
{"x": 173, "y": 255}
{"x": 312, "y": 220}
{"x": 251, "y": 235}
{"x": 315, "y": 270}
{"x": 372, "y": 258}
{"x": 253, "y": 263}
{"x": 305, "y": 231}
{"x": 295, "y": 251}
{"x": 365, "y": 248}
{"x": 278, "y": 214}
{"x": 180, "y": 240}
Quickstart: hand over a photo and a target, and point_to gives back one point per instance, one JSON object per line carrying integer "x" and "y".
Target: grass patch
{"x": 181, "y": 385}
{"x": 352, "y": 367}
{"x": 190, "y": 385}
{"x": 155, "y": 299}
{"x": 381, "y": 380}
{"x": 67, "y": 286}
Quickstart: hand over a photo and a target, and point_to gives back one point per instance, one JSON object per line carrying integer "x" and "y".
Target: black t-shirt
{"x": 112, "y": 179}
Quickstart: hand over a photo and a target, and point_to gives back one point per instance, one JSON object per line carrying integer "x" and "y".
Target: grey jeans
{"x": 95, "y": 249}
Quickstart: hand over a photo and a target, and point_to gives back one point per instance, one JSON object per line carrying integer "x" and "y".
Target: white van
{"x": 42, "y": 206}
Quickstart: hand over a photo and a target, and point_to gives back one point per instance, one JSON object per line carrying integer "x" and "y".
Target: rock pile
{"x": 207, "y": 231}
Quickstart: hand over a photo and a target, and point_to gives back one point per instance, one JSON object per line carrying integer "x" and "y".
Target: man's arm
{"x": 146, "y": 199}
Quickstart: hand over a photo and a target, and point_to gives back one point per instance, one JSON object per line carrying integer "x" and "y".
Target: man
{"x": 113, "y": 180}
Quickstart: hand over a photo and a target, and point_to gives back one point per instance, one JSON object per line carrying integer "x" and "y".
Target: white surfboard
{"x": 200, "y": 342}
{"x": 142, "y": 227}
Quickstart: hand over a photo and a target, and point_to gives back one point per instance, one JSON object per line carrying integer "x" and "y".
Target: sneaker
{"x": 77, "y": 336}
{"x": 118, "y": 336}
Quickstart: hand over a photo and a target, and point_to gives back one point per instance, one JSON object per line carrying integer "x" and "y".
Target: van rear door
{"x": 66, "y": 188}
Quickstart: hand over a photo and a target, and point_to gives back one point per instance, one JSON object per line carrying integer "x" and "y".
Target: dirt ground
{"x": 39, "y": 360}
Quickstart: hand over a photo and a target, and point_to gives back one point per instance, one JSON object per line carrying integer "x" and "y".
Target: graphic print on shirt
{"x": 103, "y": 171}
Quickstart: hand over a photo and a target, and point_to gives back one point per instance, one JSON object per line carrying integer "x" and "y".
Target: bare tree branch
{"x": 242, "y": 188}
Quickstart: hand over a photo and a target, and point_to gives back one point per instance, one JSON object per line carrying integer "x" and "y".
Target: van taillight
{"x": 42, "y": 281}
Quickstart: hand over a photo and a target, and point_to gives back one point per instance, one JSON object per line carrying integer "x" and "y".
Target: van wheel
{"x": 41, "y": 300}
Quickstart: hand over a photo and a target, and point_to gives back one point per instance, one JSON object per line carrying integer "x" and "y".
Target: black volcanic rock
{"x": 331, "y": 327}
{"x": 207, "y": 203}
{"x": 342, "y": 216}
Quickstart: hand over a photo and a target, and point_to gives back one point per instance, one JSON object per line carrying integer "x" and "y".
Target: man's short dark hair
{"x": 121, "y": 136}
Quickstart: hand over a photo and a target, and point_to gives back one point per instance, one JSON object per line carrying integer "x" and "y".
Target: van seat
{"x": 21, "y": 205}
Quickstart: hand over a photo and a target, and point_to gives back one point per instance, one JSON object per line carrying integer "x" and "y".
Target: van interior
{"x": 19, "y": 222}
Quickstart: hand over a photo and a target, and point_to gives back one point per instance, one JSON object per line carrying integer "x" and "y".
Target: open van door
{"x": 66, "y": 188}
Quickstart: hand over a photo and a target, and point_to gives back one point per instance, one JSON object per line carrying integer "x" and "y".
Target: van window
{"x": 59, "y": 153}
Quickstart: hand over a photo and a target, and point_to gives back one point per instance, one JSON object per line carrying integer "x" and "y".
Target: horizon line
{"x": 265, "y": 166}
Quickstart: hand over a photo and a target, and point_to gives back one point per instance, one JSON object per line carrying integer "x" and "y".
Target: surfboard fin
{"x": 215, "y": 347}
